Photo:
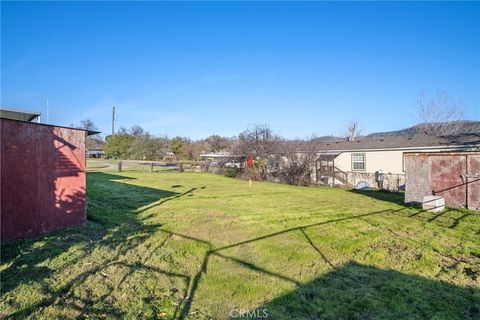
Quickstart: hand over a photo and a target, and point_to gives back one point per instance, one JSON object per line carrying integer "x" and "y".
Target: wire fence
{"x": 130, "y": 165}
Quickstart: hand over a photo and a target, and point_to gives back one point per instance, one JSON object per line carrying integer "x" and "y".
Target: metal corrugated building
{"x": 452, "y": 175}
{"x": 43, "y": 181}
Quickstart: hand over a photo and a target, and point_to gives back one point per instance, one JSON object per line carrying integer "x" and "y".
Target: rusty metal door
{"x": 457, "y": 179}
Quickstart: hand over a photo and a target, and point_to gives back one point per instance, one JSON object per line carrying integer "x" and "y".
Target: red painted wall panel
{"x": 18, "y": 180}
{"x": 43, "y": 182}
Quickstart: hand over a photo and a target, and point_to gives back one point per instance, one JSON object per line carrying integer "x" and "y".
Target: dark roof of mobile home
{"x": 402, "y": 142}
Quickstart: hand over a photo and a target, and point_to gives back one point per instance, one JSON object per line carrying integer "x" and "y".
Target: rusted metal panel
{"x": 42, "y": 178}
{"x": 417, "y": 172}
{"x": 473, "y": 179}
{"x": 454, "y": 176}
{"x": 446, "y": 179}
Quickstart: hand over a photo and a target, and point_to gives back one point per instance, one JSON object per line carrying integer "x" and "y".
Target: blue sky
{"x": 195, "y": 69}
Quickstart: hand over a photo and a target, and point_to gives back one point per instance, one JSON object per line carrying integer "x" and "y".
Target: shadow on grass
{"x": 362, "y": 292}
{"x": 449, "y": 218}
{"x": 113, "y": 222}
{"x": 393, "y": 197}
{"x": 351, "y": 291}
{"x": 356, "y": 291}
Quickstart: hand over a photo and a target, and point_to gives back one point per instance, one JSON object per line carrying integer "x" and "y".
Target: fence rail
{"x": 130, "y": 165}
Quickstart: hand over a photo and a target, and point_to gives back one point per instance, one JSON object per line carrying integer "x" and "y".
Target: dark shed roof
{"x": 18, "y": 114}
{"x": 418, "y": 141}
{"x": 89, "y": 132}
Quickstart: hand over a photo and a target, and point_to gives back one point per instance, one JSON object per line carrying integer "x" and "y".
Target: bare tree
{"x": 137, "y": 131}
{"x": 258, "y": 140}
{"x": 294, "y": 161}
{"x": 164, "y": 145}
{"x": 123, "y": 130}
{"x": 353, "y": 130}
{"x": 217, "y": 143}
{"x": 93, "y": 141}
{"x": 194, "y": 149}
{"x": 438, "y": 115}
{"x": 88, "y": 124}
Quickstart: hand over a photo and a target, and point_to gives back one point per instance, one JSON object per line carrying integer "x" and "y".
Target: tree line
{"x": 136, "y": 143}
{"x": 292, "y": 160}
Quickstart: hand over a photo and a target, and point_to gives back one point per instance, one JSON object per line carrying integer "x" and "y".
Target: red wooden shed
{"x": 43, "y": 181}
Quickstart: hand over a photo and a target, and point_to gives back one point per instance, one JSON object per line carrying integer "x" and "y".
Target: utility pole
{"x": 113, "y": 121}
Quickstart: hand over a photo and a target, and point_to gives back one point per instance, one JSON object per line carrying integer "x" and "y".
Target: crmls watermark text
{"x": 248, "y": 314}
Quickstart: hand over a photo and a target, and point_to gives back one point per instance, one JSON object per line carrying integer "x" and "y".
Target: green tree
{"x": 119, "y": 146}
{"x": 147, "y": 147}
{"x": 177, "y": 146}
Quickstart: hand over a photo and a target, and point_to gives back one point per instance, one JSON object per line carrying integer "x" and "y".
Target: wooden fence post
{"x": 151, "y": 166}
{"x": 120, "y": 165}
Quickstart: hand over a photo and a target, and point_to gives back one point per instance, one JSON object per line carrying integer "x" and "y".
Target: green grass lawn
{"x": 190, "y": 245}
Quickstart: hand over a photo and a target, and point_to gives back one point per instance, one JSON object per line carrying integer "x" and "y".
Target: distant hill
{"x": 329, "y": 138}
{"x": 460, "y": 127}
{"x": 456, "y": 127}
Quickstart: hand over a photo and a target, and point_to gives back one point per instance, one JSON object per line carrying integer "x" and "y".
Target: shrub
{"x": 232, "y": 172}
